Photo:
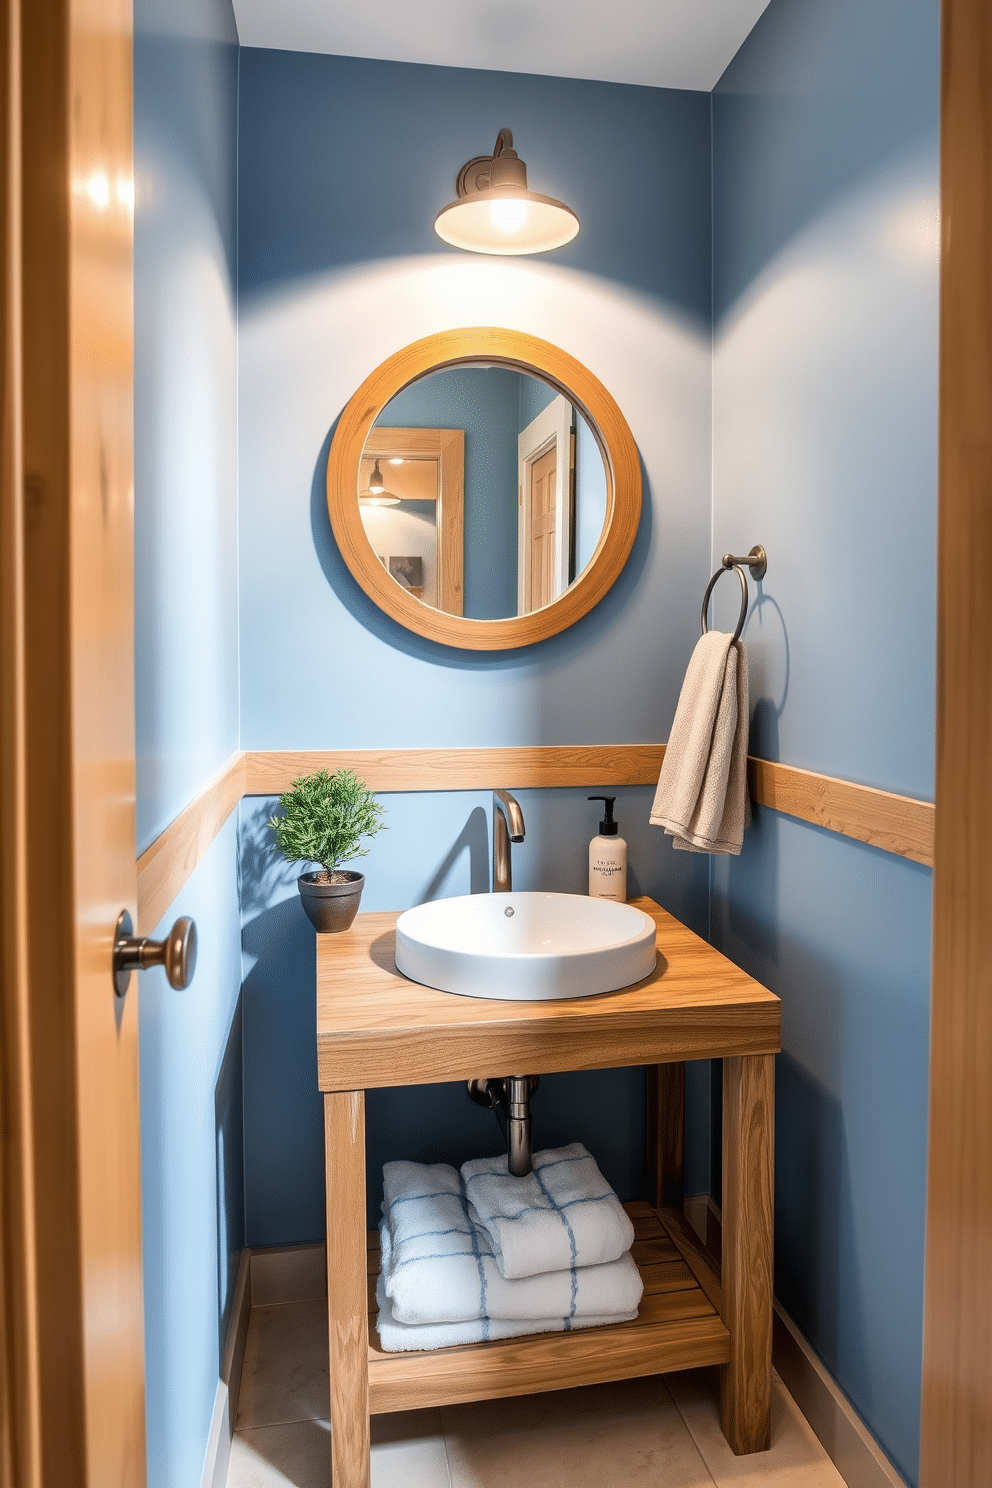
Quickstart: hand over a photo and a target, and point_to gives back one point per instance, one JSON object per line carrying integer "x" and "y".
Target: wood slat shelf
{"x": 677, "y": 1327}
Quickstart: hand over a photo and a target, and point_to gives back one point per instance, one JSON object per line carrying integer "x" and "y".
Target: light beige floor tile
{"x": 597, "y": 1437}
{"x": 285, "y": 1369}
{"x": 407, "y": 1452}
{"x": 296, "y": 1455}
{"x": 795, "y": 1460}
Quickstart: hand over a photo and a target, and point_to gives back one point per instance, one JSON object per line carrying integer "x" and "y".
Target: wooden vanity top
{"x": 376, "y": 1028}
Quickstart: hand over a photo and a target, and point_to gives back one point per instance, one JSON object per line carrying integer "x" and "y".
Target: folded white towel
{"x": 397, "y": 1338}
{"x": 562, "y": 1215}
{"x": 702, "y": 798}
{"x": 438, "y": 1267}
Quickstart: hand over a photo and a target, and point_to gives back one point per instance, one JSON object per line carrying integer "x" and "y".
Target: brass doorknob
{"x": 177, "y": 953}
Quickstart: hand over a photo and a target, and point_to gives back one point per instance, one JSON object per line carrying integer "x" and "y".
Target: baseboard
{"x": 237, "y": 1334}
{"x": 217, "y": 1458}
{"x": 288, "y": 1273}
{"x": 840, "y": 1430}
{"x": 836, "y": 1424}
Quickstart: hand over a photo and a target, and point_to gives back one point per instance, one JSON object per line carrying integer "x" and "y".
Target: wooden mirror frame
{"x": 520, "y": 353}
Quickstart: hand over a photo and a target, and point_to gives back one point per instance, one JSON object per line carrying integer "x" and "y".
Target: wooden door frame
{"x": 71, "y": 1358}
{"x": 447, "y": 447}
{"x": 956, "y": 1435}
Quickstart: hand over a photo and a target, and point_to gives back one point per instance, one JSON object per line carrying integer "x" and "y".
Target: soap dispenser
{"x": 608, "y": 858}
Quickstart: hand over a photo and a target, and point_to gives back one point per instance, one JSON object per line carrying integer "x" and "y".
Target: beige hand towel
{"x": 702, "y": 798}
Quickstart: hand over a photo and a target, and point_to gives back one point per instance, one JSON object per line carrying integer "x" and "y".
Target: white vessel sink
{"x": 525, "y": 947}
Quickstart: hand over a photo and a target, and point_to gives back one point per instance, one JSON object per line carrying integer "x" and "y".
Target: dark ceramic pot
{"x": 331, "y": 906}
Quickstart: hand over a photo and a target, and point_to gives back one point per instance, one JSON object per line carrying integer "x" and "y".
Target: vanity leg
{"x": 665, "y": 1134}
{"x": 748, "y": 1174}
{"x": 347, "y": 1297}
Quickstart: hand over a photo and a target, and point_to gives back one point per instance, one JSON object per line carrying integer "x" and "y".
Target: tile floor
{"x": 656, "y": 1433}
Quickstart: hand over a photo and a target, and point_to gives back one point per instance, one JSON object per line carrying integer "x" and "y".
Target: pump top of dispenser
{"x": 607, "y": 827}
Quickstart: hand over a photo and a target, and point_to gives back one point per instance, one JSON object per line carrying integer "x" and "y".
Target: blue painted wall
{"x": 336, "y": 273}
{"x": 192, "y": 1178}
{"x": 185, "y": 389}
{"x": 590, "y": 494}
{"x": 186, "y": 699}
{"x": 826, "y": 230}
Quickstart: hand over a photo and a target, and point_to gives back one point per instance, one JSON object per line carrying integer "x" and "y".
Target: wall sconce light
{"x": 495, "y": 213}
{"x": 377, "y": 495}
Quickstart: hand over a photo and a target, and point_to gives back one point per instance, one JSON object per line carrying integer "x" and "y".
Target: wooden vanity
{"x": 375, "y": 1028}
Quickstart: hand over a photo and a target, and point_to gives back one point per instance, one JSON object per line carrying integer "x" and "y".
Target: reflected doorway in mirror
{"x": 424, "y": 468}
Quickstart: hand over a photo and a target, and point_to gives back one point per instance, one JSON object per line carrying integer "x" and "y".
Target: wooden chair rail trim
{"x": 895, "y": 824}
{"x": 165, "y": 866}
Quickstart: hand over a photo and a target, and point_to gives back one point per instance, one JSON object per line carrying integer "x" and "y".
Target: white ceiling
{"x": 660, "y": 43}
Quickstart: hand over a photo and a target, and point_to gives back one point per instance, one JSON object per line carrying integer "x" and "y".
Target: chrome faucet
{"x": 510, "y": 1095}
{"x": 508, "y": 826}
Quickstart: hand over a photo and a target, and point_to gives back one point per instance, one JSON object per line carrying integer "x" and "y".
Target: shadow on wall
{"x": 816, "y": 1267}
{"x": 229, "y": 1129}
{"x": 473, "y": 839}
{"x": 310, "y": 196}
{"x": 263, "y": 873}
{"x": 879, "y": 131}
{"x": 759, "y": 935}
{"x": 284, "y": 1153}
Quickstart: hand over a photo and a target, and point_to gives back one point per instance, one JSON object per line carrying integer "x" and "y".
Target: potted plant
{"x": 324, "y": 818}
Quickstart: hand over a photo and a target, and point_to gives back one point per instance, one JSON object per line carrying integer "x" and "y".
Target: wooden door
{"x": 73, "y": 1405}
{"x": 956, "y": 1438}
{"x": 542, "y": 529}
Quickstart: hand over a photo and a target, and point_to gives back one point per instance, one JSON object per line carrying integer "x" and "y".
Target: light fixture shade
{"x": 377, "y": 495}
{"x": 473, "y": 224}
{"x": 495, "y": 213}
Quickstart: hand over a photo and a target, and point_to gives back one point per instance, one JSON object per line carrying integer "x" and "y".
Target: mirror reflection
{"x": 482, "y": 491}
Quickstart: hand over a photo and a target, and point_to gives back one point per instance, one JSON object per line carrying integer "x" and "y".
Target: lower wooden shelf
{"x": 677, "y": 1327}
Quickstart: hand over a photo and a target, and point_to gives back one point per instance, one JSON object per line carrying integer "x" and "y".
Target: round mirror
{"x": 483, "y": 488}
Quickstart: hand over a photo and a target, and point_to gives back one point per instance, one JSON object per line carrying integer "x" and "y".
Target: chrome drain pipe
{"x": 510, "y": 1097}
{"x": 518, "y": 1126}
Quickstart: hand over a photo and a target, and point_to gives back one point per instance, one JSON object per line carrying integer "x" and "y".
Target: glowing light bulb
{"x": 507, "y": 215}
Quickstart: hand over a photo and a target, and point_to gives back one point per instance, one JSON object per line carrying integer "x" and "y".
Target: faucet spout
{"x": 508, "y": 826}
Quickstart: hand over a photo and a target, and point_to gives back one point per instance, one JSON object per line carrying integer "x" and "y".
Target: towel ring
{"x": 757, "y": 562}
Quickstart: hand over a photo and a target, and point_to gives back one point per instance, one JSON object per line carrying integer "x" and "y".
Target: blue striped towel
{"x": 437, "y": 1267}
{"x": 398, "y": 1338}
{"x": 563, "y": 1214}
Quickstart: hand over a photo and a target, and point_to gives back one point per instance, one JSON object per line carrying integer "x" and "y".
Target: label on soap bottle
{"x": 608, "y": 868}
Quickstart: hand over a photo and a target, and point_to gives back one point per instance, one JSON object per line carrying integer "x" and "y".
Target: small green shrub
{"x": 325, "y": 818}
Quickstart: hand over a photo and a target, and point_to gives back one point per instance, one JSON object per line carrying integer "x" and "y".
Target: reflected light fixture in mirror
{"x": 495, "y": 213}
{"x": 376, "y": 494}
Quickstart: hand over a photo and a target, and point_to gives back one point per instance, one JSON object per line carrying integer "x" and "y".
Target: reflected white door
{"x": 544, "y": 530}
